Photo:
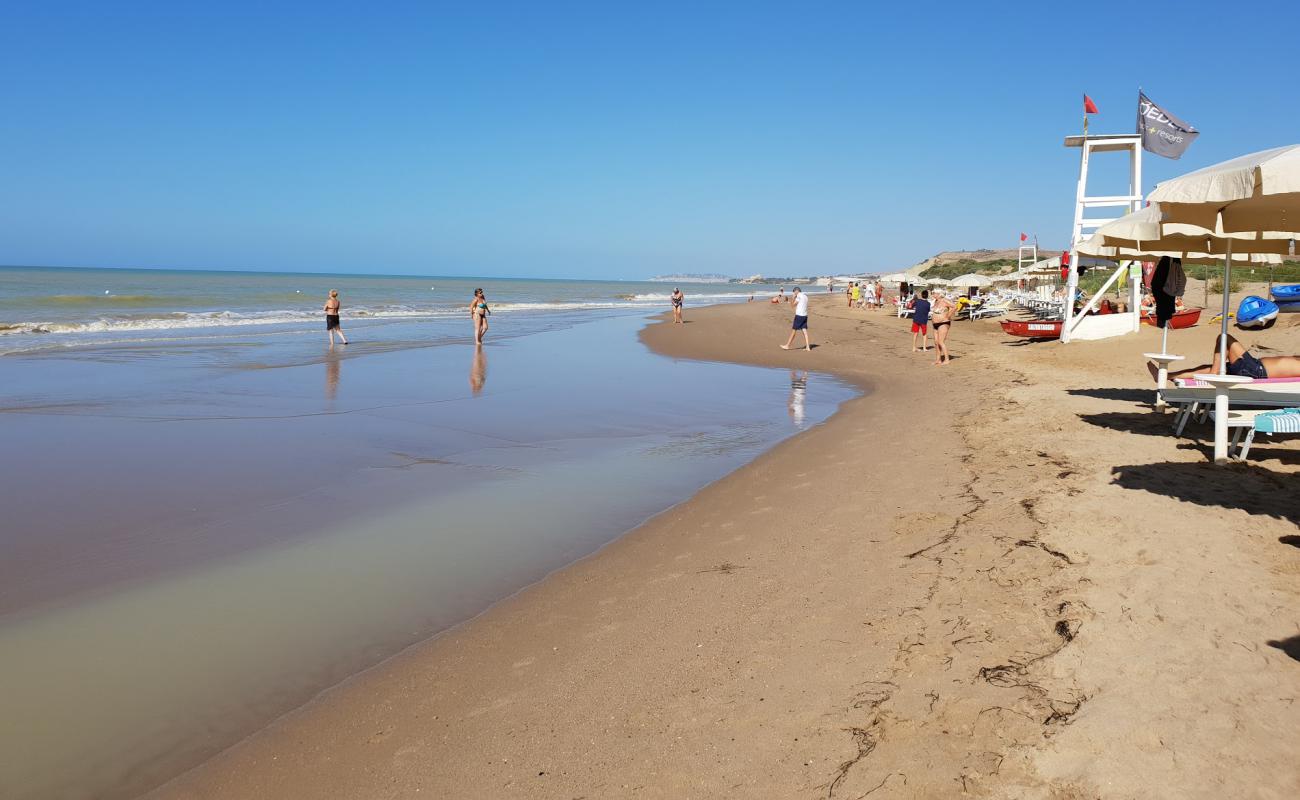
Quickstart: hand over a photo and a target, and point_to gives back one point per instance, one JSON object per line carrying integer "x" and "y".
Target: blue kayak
{"x": 1286, "y": 294}
{"x": 1256, "y": 312}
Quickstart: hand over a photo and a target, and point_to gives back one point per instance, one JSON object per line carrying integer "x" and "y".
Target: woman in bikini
{"x": 332, "y": 318}
{"x": 677, "y": 299}
{"x": 941, "y": 319}
{"x": 478, "y": 311}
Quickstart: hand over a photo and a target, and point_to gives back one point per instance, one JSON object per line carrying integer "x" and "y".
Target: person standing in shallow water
{"x": 332, "y": 326}
{"x": 800, "y": 320}
{"x": 677, "y": 299}
{"x": 478, "y": 310}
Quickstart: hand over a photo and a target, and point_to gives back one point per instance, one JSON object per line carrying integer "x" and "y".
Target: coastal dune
{"x": 1002, "y": 577}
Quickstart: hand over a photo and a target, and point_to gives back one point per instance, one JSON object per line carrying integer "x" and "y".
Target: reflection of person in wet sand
{"x": 478, "y": 310}
{"x": 477, "y": 371}
{"x": 1241, "y": 362}
{"x": 332, "y": 376}
{"x": 798, "y": 388}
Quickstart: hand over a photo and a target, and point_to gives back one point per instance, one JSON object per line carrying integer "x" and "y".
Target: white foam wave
{"x": 183, "y": 320}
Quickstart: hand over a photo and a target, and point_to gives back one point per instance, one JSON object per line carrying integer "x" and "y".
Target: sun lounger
{"x": 991, "y": 309}
{"x": 1196, "y": 401}
{"x": 1266, "y": 421}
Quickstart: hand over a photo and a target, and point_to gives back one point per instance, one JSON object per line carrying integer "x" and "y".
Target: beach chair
{"x": 1196, "y": 402}
{"x": 1267, "y": 421}
{"x": 901, "y": 307}
{"x": 991, "y": 309}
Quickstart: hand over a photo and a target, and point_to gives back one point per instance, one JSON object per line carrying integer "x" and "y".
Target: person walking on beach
{"x": 677, "y": 299}
{"x": 332, "y": 306}
{"x": 941, "y": 317}
{"x": 921, "y": 318}
{"x": 869, "y": 295}
{"x": 880, "y": 295}
{"x": 800, "y": 321}
{"x": 478, "y": 310}
{"x": 855, "y": 299}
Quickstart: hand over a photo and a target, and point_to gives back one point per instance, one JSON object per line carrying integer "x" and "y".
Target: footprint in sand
{"x": 527, "y": 662}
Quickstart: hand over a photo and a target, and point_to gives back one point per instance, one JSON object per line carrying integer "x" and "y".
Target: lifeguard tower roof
{"x": 1106, "y": 143}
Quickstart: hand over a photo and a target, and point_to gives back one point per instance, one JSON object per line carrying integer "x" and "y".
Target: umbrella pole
{"x": 1223, "y": 326}
{"x": 1164, "y": 341}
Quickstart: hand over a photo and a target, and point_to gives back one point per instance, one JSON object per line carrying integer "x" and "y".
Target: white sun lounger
{"x": 1196, "y": 401}
{"x": 1261, "y": 420}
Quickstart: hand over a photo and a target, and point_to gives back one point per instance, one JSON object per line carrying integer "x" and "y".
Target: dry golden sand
{"x": 1000, "y": 578}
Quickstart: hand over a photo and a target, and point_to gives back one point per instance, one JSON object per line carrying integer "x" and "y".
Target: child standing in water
{"x": 332, "y": 318}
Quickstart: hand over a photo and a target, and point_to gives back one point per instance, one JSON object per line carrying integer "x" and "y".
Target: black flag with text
{"x": 1162, "y": 132}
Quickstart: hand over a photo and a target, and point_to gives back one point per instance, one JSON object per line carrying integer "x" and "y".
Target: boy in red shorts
{"x": 921, "y": 319}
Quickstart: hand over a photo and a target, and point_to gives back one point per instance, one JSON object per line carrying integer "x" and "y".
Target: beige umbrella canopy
{"x": 1249, "y": 204}
{"x": 1146, "y": 231}
{"x": 971, "y": 280}
{"x": 1252, "y": 194}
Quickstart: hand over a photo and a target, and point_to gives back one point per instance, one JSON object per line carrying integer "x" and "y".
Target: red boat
{"x": 1033, "y": 328}
{"x": 1181, "y": 319}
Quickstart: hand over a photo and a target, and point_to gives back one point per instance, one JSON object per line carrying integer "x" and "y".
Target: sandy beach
{"x": 999, "y": 578}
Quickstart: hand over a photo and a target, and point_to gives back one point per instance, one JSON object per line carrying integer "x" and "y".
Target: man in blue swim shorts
{"x": 800, "y": 321}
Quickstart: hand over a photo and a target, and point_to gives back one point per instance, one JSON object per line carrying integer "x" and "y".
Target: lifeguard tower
{"x": 1102, "y": 326}
{"x": 1027, "y": 256}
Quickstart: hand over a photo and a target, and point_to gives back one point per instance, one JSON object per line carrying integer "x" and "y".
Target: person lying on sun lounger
{"x": 1241, "y": 362}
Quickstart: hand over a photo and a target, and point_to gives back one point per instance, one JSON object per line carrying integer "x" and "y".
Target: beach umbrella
{"x": 1109, "y": 241}
{"x": 1249, "y": 204}
{"x": 971, "y": 281}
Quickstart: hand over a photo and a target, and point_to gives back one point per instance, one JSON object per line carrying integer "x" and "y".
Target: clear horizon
{"x": 583, "y": 141}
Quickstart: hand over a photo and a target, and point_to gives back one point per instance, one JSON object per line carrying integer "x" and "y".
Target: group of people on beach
{"x": 938, "y": 314}
{"x": 865, "y": 294}
{"x": 478, "y": 312}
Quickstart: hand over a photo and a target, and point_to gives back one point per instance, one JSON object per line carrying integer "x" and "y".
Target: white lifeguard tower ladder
{"x": 1081, "y": 325}
{"x": 1027, "y": 256}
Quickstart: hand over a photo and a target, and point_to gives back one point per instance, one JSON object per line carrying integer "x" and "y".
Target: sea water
{"x": 205, "y": 526}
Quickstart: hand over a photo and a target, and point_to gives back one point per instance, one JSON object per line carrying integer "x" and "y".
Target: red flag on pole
{"x": 1024, "y": 237}
{"x": 1089, "y": 107}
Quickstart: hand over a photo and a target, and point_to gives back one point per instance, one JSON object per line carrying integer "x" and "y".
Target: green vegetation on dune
{"x": 965, "y": 265}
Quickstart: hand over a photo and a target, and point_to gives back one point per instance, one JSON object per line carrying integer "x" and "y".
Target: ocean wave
{"x": 180, "y": 320}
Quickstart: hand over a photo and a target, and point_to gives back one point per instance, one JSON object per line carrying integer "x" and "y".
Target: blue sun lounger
{"x": 1270, "y": 422}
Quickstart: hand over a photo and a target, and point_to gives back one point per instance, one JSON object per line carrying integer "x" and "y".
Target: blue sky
{"x": 602, "y": 140}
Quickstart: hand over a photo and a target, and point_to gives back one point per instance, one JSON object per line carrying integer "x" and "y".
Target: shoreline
{"x": 885, "y": 602}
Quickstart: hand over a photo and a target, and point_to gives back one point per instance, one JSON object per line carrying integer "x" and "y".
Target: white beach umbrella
{"x": 971, "y": 280}
{"x": 1107, "y": 243}
{"x": 896, "y": 277}
{"x": 1249, "y": 204}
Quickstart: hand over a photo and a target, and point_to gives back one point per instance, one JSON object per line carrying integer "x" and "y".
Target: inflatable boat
{"x": 1256, "y": 312}
{"x": 1287, "y": 298}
